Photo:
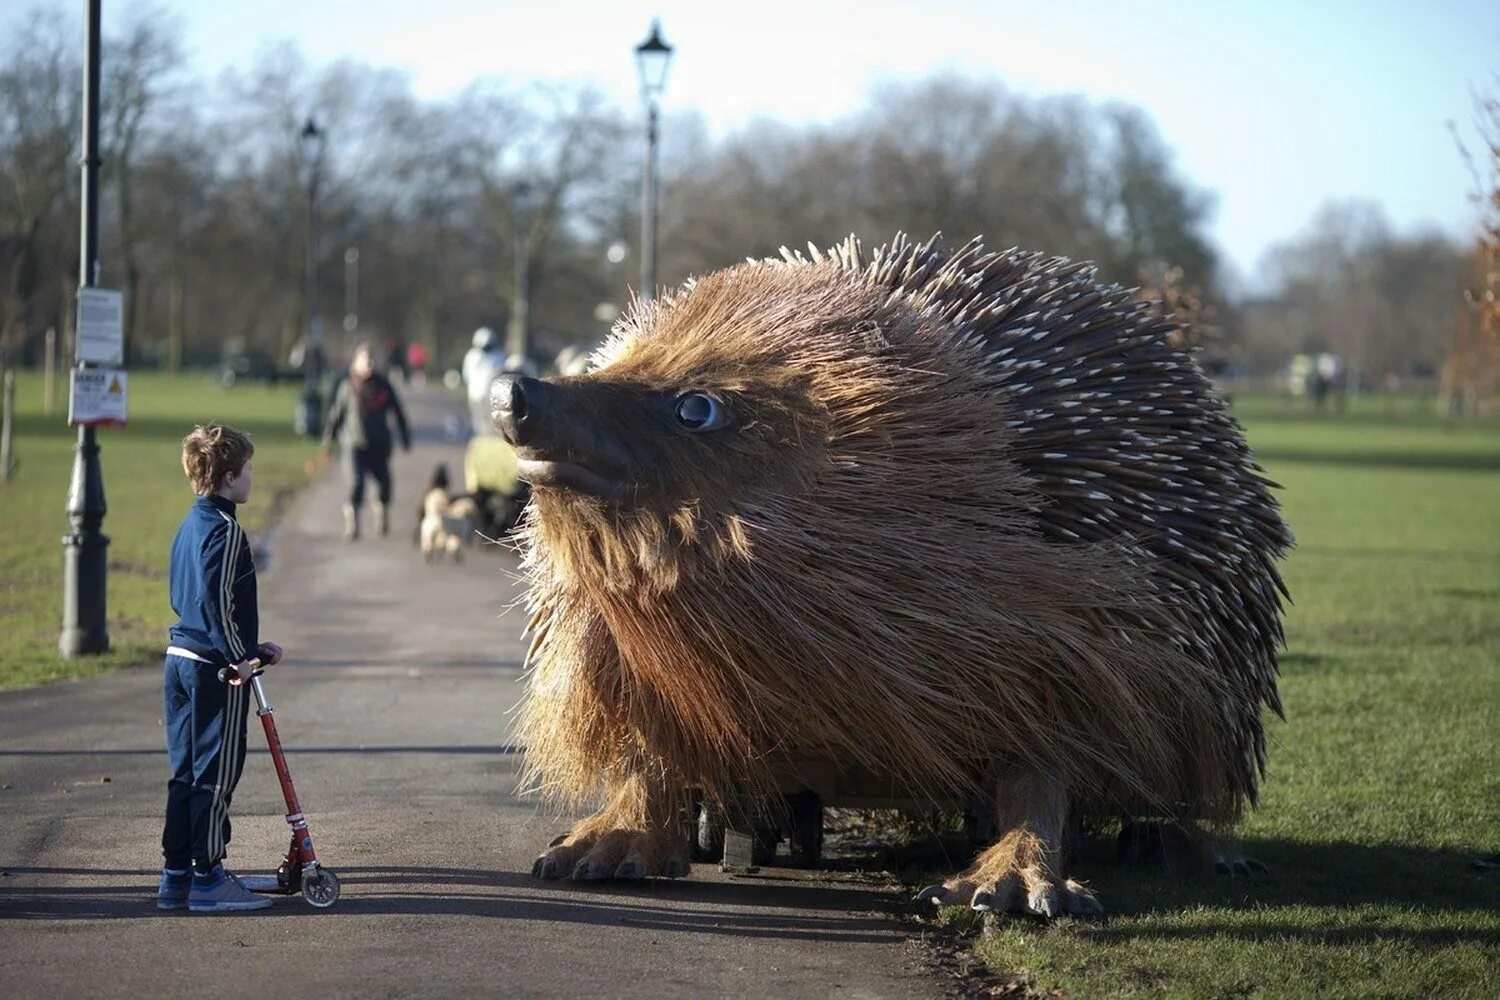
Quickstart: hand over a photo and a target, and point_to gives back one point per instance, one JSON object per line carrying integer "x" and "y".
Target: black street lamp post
{"x": 652, "y": 58}
{"x": 84, "y": 562}
{"x": 309, "y": 420}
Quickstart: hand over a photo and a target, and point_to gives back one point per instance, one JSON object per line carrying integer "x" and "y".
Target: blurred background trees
{"x": 442, "y": 215}
{"x": 1472, "y": 370}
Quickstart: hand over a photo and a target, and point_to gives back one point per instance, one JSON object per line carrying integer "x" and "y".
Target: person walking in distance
{"x": 482, "y": 364}
{"x": 364, "y": 406}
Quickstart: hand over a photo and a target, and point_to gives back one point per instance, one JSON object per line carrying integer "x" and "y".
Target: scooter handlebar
{"x": 236, "y": 675}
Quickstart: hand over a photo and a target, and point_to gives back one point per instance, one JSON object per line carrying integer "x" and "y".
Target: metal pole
{"x": 648, "y": 208}
{"x": 84, "y": 563}
{"x": 518, "y": 330}
{"x": 312, "y": 398}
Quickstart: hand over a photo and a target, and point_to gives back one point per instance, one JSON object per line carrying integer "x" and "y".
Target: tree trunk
{"x": 175, "y": 322}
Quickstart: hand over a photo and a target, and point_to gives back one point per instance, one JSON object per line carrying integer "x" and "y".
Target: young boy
{"x": 213, "y": 594}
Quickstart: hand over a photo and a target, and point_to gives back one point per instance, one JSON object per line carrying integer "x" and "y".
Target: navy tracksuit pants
{"x": 205, "y": 724}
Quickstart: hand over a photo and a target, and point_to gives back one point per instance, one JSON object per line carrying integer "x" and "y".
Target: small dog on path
{"x": 445, "y": 523}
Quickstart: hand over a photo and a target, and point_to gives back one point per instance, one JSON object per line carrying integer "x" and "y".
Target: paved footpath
{"x": 393, "y": 706}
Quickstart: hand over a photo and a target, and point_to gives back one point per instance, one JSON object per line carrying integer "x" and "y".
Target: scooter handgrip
{"x": 229, "y": 674}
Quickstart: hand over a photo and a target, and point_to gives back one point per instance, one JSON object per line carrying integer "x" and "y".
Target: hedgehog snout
{"x": 514, "y": 405}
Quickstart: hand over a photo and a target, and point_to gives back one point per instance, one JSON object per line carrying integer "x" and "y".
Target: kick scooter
{"x": 299, "y": 870}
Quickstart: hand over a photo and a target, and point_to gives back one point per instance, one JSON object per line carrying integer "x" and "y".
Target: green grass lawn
{"x": 146, "y": 494}
{"x": 1384, "y": 782}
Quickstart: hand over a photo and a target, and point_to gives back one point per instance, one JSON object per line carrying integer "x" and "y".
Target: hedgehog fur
{"x": 967, "y": 513}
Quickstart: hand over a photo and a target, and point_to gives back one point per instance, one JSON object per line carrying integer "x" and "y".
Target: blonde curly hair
{"x": 211, "y": 452}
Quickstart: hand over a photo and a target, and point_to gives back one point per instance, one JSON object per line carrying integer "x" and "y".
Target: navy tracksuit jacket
{"x": 213, "y": 593}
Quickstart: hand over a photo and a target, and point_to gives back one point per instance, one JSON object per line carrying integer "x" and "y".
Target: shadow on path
{"x": 710, "y": 907}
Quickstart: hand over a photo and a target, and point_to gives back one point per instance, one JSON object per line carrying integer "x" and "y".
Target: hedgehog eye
{"x": 698, "y": 411}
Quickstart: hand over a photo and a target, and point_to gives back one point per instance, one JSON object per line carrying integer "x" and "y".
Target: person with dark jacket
{"x": 364, "y": 405}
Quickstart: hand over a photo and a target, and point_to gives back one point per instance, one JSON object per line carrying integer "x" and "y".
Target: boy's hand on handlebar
{"x": 270, "y": 654}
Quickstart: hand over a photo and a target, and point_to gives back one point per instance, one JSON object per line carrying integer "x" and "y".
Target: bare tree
{"x": 1350, "y": 285}
{"x": 503, "y": 203}
{"x": 138, "y": 68}
{"x": 1471, "y": 371}
{"x": 1156, "y": 219}
{"x": 39, "y": 126}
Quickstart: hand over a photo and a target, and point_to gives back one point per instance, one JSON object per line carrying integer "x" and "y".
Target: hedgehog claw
{"x": 1043, "y": 902}
{"x": 1080, "y": 901}
{"x": 999, "y": 897}
{"x": 937, "y": 895}
{"x": 588, "y": 870}
{"x": 1236, "y": 865}
{"x": 1044, "y": 898}
{"x": 548, "y": 866}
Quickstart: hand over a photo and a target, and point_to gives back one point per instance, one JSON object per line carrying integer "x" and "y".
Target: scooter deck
{"x": 268, "y": 884}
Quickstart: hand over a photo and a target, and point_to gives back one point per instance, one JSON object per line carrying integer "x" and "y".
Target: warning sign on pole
{"x": 101, "y": 326}
{"x": 97, "y": 398}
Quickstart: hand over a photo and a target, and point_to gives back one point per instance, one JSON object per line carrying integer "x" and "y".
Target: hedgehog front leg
{"x": 1022, "y": 872}
{"x": 637, "y": 835}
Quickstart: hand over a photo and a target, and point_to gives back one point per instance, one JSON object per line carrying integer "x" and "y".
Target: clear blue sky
{"x": 1273, "y": 105}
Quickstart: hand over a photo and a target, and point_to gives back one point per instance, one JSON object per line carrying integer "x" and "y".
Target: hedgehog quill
{"x": 957, "y": 519}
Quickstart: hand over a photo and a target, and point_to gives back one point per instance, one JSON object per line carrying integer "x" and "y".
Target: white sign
{"x": 97, "y": 398}
{"x": 101, "y": 317}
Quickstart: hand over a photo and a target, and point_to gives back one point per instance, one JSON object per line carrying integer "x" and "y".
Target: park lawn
{"x": 1383, "y": 783}
{"x": 146, "y": 494}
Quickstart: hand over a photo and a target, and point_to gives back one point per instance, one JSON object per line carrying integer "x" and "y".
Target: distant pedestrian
{"x": 482, "y": 364}
{"x": 416, "y": 362}
{"x": 395, "y": 359}
{"x": 212, "y": 586}
{"x": 360, "y": 417}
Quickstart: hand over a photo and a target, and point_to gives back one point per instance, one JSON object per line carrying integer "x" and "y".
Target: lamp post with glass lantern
{"x": 652, "y": 58}
{"x": 85, "y": 566}
{"x": 312, "y": 142}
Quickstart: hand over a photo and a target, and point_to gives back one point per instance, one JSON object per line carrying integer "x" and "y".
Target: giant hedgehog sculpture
{"x": 960, "y": 520}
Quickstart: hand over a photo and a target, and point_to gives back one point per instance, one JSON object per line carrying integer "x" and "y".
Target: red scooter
{"x": 299, "y": 870}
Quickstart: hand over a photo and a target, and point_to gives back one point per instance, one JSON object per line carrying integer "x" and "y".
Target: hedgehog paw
{"x": 1182, "y": 848}
{"x": 1025, "y": 890}
{"x": 614, "y": 854}
{"x": 1228, "y": 861}
{"x": 1028, "y": 893}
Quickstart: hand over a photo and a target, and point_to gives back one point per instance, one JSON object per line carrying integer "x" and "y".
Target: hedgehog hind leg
{"x": 1022, "y": 871}
{"x": 1181, "y": 847}
{"x": 634, "y": 836}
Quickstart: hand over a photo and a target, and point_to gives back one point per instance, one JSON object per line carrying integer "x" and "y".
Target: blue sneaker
{"x": 220, "y": 892}
{"x": 172, "y": 893}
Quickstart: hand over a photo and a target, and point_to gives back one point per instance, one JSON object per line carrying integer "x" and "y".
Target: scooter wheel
{"x": 320, "y": 887}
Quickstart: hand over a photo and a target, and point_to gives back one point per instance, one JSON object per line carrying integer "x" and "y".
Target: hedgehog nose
{"x": 514, "y": 404}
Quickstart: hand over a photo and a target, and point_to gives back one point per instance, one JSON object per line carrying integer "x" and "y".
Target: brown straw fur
{"x": 971, "y": 512}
